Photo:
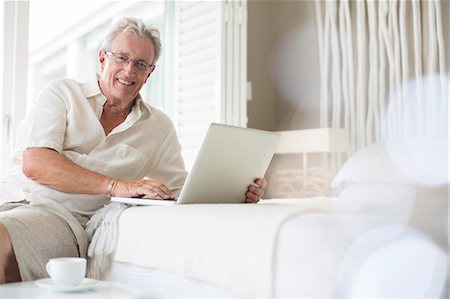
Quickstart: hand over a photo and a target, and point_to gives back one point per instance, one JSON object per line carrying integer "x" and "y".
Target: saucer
{"x": 47, "y": 283}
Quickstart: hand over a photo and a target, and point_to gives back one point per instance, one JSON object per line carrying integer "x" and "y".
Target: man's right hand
{"x": 139, "y": 188}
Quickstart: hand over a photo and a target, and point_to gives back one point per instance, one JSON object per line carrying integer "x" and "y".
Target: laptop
{"x": 229, "y": 160}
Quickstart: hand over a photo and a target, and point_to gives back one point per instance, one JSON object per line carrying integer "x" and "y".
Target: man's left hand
{"x": 254, "y": 193}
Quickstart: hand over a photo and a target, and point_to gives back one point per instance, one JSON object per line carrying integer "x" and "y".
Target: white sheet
{"x": 224, "y": 244}
{"x": 319, "y": 253}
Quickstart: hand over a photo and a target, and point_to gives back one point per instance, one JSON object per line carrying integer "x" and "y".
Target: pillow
{"x": 370, "y": 165}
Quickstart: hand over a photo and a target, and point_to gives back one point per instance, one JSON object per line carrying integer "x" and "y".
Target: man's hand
{"x": 254, "y": 193}
{"x": 138, "y": 188}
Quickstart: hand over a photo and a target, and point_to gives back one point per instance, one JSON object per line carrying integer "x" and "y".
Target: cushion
{"x": 371, "y": 166}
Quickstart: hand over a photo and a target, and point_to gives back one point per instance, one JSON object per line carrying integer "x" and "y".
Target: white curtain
{"x": 369, "y": 51}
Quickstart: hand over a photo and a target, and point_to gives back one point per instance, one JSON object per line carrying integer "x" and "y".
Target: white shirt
{"x": 66, "y": 117}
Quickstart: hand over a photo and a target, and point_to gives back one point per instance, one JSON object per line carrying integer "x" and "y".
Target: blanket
{"x": 228, "y": 245}
{"x": 101, "y": 231}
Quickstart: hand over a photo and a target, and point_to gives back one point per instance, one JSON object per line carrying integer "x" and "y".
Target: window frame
{"x": 14, "y": 70}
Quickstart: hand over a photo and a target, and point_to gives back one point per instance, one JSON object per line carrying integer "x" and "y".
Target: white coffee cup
{"x": 67, "y": 271}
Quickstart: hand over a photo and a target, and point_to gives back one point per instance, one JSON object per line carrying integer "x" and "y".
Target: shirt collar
{"x": 92, "y": 89}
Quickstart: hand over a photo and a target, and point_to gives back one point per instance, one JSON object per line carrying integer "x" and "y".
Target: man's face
{"x": 122, "y": 82}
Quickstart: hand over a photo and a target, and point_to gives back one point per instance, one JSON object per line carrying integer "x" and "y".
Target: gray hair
{"x": 138, "y": 27}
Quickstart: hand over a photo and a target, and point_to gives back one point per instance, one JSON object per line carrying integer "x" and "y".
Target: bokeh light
{"x": 393, "y": 261}
{"x": 416, "y": 130}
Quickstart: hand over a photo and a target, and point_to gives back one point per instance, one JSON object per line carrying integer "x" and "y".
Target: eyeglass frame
{"x": 149, "y": 67}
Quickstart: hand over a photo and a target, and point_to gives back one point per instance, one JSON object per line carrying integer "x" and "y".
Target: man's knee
{"x": 5, "y": 243}
{"x": 9, "y": 271}
{"x": 5, "y": 252}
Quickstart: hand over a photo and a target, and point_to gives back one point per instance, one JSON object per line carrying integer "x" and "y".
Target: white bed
{"x": 380, "y": 236}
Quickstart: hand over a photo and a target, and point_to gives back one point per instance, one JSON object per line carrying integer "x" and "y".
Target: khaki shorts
{"x": 37, "y": 235}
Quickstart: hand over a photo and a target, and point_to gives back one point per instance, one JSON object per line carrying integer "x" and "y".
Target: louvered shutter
{"x": 205, "y": 78}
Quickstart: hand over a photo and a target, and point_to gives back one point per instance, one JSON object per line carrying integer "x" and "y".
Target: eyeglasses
{"x": 124, "y": 59}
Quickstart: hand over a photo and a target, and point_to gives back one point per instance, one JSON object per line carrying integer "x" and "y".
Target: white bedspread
{"x": 238, "y": 248}
{"x": 229, "y": 245}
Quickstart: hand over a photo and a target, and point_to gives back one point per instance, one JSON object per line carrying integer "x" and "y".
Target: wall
{"x": 283, "y": 65}
{"x": 262, "y": 108}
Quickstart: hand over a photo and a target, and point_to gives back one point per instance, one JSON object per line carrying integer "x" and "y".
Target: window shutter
{"x": 206, "y": 74}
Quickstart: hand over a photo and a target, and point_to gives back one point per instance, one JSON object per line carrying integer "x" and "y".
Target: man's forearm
{"x": 48, "y": 167}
